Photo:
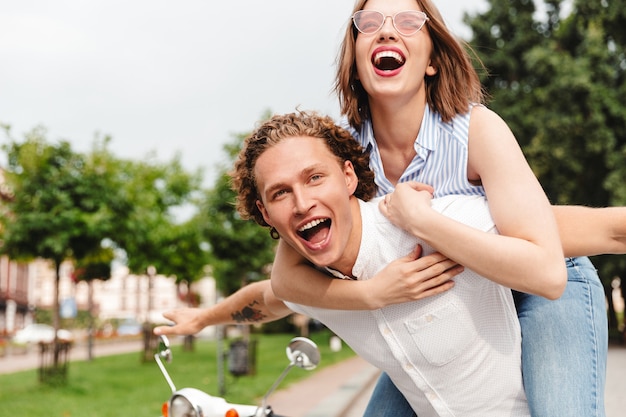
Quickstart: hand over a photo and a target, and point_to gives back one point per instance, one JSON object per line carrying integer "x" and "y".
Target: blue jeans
{"x": 564, "y": 352}
{"x": 564, "y": 346}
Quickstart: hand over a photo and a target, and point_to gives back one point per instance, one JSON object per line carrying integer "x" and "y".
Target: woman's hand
{"x": 403, "y": 206}
{"x": 412, "y": 278}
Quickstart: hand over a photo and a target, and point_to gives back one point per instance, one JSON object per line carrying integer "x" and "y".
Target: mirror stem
{"x": 273, "y": 387}
{"x": 157, "y": 358}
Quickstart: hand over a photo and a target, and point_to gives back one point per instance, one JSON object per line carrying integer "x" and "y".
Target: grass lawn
{"x": 122, "y": 385}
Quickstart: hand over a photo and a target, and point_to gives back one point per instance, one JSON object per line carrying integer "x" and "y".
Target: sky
{"x": 163, "y": 77}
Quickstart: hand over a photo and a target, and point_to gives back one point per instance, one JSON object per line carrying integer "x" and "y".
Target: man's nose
{"x": 302, "y": 202}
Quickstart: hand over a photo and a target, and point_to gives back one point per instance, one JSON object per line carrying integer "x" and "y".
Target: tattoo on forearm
{"x": 249, "y": 314}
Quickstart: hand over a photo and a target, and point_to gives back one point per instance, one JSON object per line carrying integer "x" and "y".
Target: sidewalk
{"x": 330, "y": 392}
{"x": 30, "y": 360}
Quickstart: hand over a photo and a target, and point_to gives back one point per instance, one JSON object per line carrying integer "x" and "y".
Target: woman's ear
{"x": 431, "y": 69}
{"x": 261, "y": 207}
{"x": 352, "y": 181}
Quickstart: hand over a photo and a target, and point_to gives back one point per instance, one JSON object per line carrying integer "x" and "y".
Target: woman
{"x": 412, "y": 97}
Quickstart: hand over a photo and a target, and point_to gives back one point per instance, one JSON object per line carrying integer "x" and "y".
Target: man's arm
{"x": 254, "y": 303}
{"x": 587, "y": 231}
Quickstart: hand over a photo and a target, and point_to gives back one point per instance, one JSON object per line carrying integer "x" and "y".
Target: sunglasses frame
{"x": 356, "y": 15}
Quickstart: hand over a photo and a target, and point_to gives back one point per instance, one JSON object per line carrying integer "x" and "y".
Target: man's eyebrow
{"x": 304, "y": 172}
{"x": 274, "y": 187}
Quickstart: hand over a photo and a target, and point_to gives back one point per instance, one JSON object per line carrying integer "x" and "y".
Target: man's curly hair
{"x": 279, "y": 127}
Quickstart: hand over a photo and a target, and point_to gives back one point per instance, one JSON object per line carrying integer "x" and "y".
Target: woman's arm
{"x": 254, "y": 303}
{"x": 587, "y": 231}
{"x": 527, "y": 255}
{"x": 407, "y": 279}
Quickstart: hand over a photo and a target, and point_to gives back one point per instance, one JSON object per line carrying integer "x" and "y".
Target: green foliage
{"x": 55, "y": 209}
{"x": 65, "y": 205}
{"x": 147, "y": 230}
{"x": 241, "y": 250}
{"x": 81, "y": 321}
{"x": 559, "y": 80}
{"x": 187, "y": 257}
{"x": 95, "y": 265}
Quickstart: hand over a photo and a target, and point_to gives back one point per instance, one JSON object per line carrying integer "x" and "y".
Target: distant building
{"x": 25, "y": 287}
{"x": 14, "y": 305}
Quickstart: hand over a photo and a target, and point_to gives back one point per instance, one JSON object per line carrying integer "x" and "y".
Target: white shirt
{"x": 454, "y": 354}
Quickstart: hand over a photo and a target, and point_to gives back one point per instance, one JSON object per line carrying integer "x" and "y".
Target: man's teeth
{"x": 311, "y": 224}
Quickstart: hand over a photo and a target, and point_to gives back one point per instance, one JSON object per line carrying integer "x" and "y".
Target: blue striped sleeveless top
{"x": 441, "y": 155}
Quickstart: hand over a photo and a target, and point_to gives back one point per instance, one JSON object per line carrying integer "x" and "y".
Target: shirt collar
{"x": 427, "y": 137}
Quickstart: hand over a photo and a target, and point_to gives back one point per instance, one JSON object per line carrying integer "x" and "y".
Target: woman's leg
{"x": 564, "y": 346}
{"x": 387, "y": 401}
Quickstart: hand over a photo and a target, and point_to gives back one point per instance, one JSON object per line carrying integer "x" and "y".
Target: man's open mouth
{"x": 387, "y": 60}
{"x": 315, "y": 230}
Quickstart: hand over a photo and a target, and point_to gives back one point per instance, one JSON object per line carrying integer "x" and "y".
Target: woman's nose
{"x": 388, "y": 30}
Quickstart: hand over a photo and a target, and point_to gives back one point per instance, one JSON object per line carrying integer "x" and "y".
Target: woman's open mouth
{"x": 387, "y": 60}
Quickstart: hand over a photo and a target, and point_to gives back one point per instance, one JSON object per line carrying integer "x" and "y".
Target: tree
{"x": 153, "y": 191}
{"x": 559, "y": 80}
{"x": 93, "y": 266}
{"x": 60, "y": 207}
{"x": 240, "y": 250}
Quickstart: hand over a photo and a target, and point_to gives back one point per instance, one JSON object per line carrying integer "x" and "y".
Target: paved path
{"x": 615, "y": 398}
{"x": 30, "y": 360}
{"x": 340, "y": 390}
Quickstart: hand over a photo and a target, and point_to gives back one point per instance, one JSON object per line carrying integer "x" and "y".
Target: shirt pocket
{"x": 443, "y": 334}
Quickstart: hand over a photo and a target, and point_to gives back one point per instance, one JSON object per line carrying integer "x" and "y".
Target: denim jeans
{"x": 564, "y": 346}
{"x": 564, "y": 352}
{"x": 387, "y": 401}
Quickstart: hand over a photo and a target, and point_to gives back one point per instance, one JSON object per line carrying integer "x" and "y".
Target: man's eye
{"x": 278, "y": 194}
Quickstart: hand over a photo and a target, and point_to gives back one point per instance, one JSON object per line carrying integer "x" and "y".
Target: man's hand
{"x": 187, "y": 321}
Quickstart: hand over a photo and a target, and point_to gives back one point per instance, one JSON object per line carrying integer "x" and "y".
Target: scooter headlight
{"x": 182, "y": 407}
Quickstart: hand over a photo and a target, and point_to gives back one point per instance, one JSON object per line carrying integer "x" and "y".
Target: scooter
{"x": 192, "y": 402}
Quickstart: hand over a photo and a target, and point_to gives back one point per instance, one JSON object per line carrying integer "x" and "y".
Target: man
{"x": 456, "y": 353}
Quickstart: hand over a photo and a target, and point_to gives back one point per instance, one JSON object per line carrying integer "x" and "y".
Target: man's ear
{"x": 352, "y": 181}
{"x": 261, "y": 207}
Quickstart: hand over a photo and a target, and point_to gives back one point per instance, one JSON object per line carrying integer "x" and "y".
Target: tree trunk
{"x": 56, "y": 318}
{"x": 90, "y": 330}
{"x": 612, "y": 316}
